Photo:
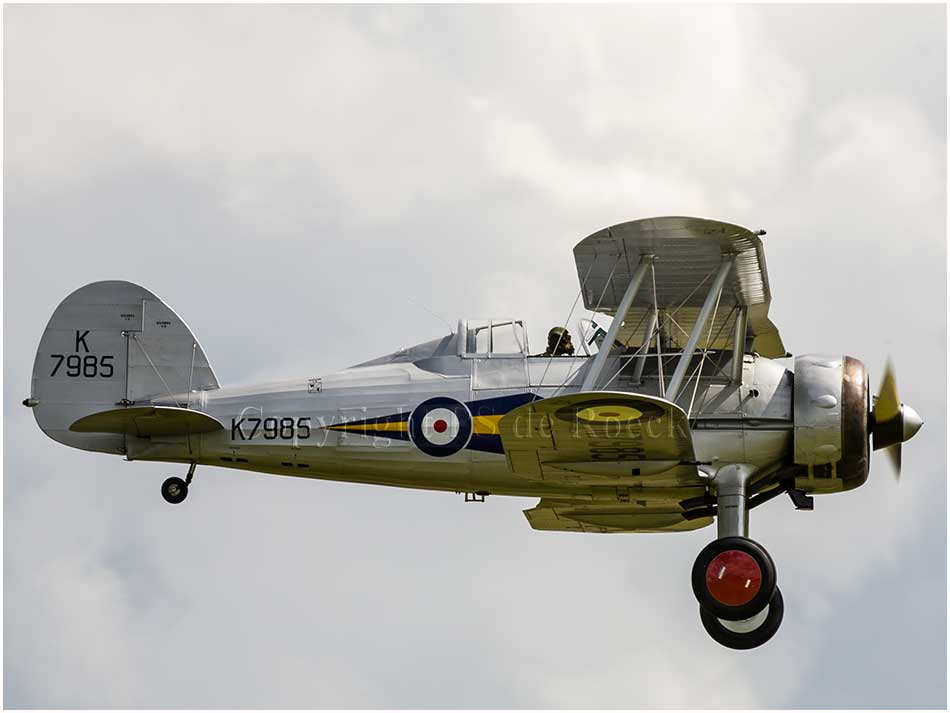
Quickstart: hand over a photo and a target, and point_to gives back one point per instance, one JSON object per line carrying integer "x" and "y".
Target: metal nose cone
{"x": 911, "y": 422}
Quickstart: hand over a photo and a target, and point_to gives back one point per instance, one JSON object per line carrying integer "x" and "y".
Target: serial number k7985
{"x": 244, "y": 429}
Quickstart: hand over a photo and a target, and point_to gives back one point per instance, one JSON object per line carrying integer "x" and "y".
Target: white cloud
{"x": 878, "y": 153}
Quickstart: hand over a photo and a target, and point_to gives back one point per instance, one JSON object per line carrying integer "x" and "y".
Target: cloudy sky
{"x": 305, "y": 185}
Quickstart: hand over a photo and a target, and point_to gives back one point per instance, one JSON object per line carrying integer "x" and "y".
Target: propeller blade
{"x": 894, "y": 455}
{"x": 893, "y": 421}
{"x": 888, "y": 404}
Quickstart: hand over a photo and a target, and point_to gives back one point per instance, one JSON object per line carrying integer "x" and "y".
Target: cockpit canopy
{"x": 493, "y": 338}
{"x": 474, "y": 338}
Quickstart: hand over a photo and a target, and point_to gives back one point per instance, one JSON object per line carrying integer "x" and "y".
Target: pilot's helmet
{"x": 557, "y": 333}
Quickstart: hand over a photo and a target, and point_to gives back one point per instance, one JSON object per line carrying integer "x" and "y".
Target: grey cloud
{"x": 284, "y": 175}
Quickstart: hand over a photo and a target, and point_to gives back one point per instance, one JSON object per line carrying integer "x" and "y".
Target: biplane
{"x": 677, "y": 415}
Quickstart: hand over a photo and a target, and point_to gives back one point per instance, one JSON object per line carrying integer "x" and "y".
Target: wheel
{"x": 749, "y": 633}
{"x": 733, "y": 578}
{"x": 174, "y": 490}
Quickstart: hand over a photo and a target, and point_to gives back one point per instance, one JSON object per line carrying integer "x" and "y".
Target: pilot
{"x": 559, "y": 343}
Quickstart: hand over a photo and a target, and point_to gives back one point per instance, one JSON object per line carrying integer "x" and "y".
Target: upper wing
{"x": 597, "y": 437}
{"x": 688, "y": 251}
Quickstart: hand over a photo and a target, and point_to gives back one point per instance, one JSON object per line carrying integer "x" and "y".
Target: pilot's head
{"x": 559, "y": 341}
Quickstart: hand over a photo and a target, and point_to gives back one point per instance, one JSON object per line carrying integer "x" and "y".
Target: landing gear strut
{"x": 175, "y": 490}
{"x": 734, "y": 577}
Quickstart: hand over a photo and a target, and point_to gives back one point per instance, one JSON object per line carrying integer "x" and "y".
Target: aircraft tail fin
{"x": 110, "y": 345}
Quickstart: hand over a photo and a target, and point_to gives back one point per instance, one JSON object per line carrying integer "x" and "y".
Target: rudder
{"x": 111, "y": 344}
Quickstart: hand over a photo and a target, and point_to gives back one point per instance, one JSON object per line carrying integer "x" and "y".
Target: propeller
{"x": 893, "y": 422}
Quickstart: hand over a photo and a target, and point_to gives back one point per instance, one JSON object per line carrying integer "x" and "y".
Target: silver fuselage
{"x": 287, "y": 428}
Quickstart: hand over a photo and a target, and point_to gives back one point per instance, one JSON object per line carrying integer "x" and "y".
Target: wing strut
{"x": 598, "y": 366}
{"x": 677, "y": 380}
{"x": 738, "y": 345}
{"x": 645, "y": 348}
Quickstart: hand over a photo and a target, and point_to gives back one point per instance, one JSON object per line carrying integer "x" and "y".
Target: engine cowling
{"x": 831, "y": 407}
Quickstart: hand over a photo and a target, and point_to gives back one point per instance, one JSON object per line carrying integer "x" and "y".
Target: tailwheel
{"x": 733, "y": 578}
{"x": 746, "y": 633}
{"x": 174, "y": 490}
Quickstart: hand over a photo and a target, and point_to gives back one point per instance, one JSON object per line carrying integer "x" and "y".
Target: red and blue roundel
{"x": 440, "y": 426}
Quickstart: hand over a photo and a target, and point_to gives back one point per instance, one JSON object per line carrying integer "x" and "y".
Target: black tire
{"x": 174, "y": 490}
{"x": 743, "y": 610}
{"x": 750, "y": 640}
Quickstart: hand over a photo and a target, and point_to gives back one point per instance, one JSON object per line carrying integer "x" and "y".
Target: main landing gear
{"x": 734, "y": 577}
{"x": 175, "y": 490}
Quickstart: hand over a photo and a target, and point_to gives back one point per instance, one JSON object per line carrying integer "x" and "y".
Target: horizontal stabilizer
{"x": 147, "y": 421}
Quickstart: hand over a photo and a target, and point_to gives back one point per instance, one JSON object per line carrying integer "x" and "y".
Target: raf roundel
{"x": 440, "y": 427}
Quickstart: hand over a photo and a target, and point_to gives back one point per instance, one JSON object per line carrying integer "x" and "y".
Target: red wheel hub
{"x": 733, "y": 578}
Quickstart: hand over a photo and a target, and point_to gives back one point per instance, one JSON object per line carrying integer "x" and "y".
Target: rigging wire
{"x": 152, "y": 364}
{"x": 426, "y": 309}
{"x": 602, "y": 346}
{"x": 569, "y": 315}
{"x": 702, "y": 361}
{"x": 629, "y": 358}
{"x": 717, "y": 365}
{"x": 603, "y": 292}
{"x": 659, "y": 334}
